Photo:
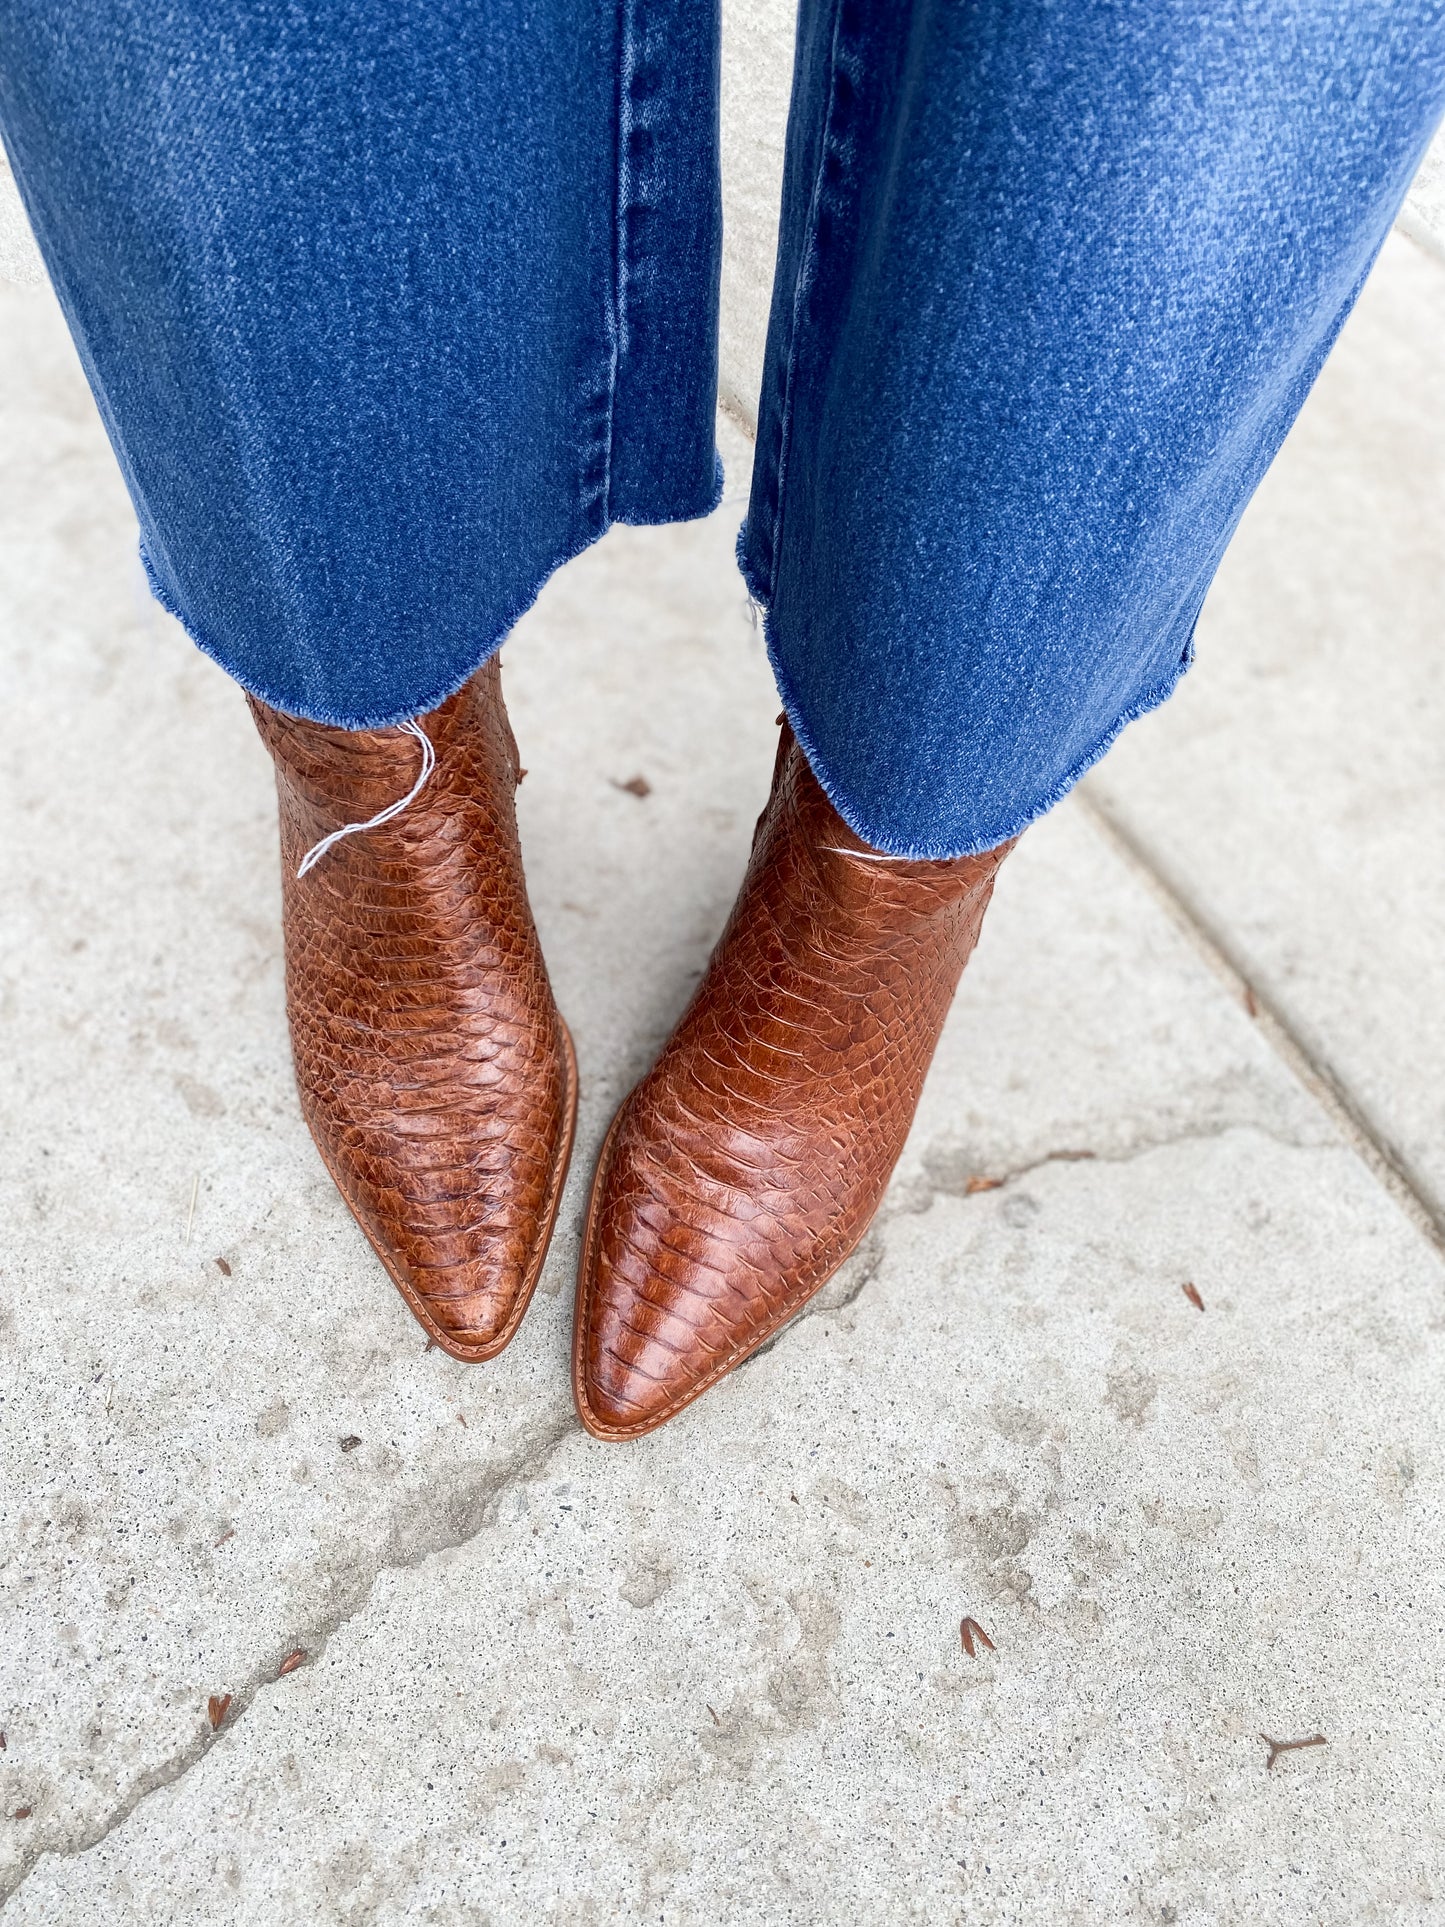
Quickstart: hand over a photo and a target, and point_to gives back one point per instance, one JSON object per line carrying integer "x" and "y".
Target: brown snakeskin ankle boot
{"x": 750, "y": 1160}
{"x": 435, "y": 1073}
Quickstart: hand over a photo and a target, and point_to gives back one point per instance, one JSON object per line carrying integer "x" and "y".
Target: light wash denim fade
{"x": 390, "y": 308}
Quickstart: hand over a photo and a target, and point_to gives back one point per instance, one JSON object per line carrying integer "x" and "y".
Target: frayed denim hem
{"x": 433, "y": 698}
{"x": 935, "y": 852}
{"x": 693, "y": 515}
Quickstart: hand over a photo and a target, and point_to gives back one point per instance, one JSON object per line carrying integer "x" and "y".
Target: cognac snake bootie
{"x": 747, "y": 1164}
{"x": 435, "y": 1073}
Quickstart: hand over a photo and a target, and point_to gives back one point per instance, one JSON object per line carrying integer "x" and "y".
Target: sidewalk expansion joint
{"x": 1391, "y": 1168}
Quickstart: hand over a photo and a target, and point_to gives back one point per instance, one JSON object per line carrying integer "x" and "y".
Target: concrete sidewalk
{"x": 717, "y": 1676}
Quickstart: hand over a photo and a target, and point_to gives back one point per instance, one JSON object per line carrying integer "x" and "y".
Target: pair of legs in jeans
{"x": 392, "y": 308}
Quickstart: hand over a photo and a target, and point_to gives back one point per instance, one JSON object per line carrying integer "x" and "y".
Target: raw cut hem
{"x": 714, "y": 500}
{"x": 932, "y": 850}
{"x": 431, "y": 697}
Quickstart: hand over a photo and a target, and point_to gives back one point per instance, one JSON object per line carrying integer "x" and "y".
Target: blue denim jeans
{"x": 391, "y": 306}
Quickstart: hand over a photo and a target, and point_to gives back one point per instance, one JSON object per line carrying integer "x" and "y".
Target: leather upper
{"x": 747, "y": 1164}
{"x": 435, "y": 1073}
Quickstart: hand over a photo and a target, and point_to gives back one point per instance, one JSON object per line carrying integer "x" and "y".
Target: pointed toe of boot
{"x": 468, "y": 1306}
{"x": 464, "y": 1246}
{"x": 617, "y": 1400}
{"x": 746, "y": 1166}
{"x": 467, "y": 1265}
{"x": 638, "y": 1370}
{"x": 469, "y": 1309}
{"x": 629, "y": 1376}
{"x": 683, "y": 1275}
{"x": 626, "y": 1377}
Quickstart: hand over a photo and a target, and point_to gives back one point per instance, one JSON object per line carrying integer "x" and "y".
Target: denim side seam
{"x": 621, "y": 201}
{"x": 667, "y": 251}
{"x": 807, "y": 263}
{"x": 600, "y": 409}
{"x": 1150, "y": 697}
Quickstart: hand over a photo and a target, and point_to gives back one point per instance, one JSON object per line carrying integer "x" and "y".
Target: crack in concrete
{"x": 471, "y": 1512}
{"x": 925, "y": 1195}
{"x": 1367, "y": 1135}
{"x": 479, "y": 1508}
{"x": 466, "y": 1514}
{"x": 934, "y": 1188}
{"x": 869, "y": 1255}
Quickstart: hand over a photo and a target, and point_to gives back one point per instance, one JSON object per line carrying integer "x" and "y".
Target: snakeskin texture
{"x": 750, "y": 1160}
{"x": 435, "y": 1073}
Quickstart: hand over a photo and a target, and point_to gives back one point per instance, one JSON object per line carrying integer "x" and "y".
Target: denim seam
{"x": 621, "y": 200}
{"x": 807, "y": 261}
{"x": 1150, "y": 697}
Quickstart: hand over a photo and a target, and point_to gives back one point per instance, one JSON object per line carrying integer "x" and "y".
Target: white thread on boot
{"x": 428, "y": 763}
{"x": 863, "y": 856}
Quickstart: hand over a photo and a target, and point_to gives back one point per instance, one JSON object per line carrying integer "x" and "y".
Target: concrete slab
{"x": 1006, "y": 1403}
{"x": 1423, "y": 215}
{"x": 19, "y": 257}
{"x": 719, "y": 1676}
{"x": 1293, "y": 792}
{"x": 757, "y": 80}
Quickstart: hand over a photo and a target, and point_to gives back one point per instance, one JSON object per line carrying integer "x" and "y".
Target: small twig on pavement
{"x": 1276, "y": 1747}
{"x": 969, "y": 1630}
